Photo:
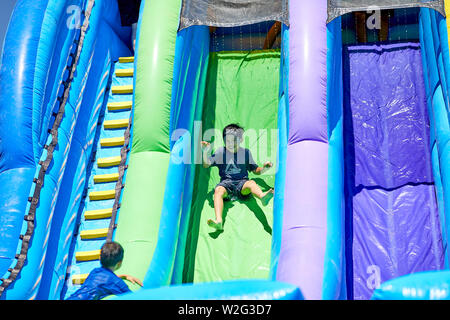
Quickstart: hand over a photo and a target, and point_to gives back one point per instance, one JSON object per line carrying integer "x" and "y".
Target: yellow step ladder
{"x": 79, "y": 278}
{"x": 102, "y": 178}
{"x": 94, "y": 234}
{"x": 122, "y": 89}
{"x": 109, "y": 162}
{"x": 112, "y": 142}
{"x": 116, "y": 124}
{"x": 124, "y": 72}
{"x": 122, "y": 105}
{"x": 102, "y": 195}
{"x": 126, "y": 59}
{"x": 88, "y": 255}
{"x": 98, "y": 214}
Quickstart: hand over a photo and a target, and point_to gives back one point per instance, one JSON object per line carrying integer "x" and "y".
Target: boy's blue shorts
{"x": 234, "y": 188}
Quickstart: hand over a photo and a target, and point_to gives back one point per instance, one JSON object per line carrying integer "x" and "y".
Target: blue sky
{"x": 6, "y": 8}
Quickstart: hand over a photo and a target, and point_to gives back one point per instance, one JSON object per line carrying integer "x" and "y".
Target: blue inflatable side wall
{"x": 283, "y": 129}
{"x": 189, "y": 78}
{"x": 334, "y": 284}
{"x": 66, "y": 214}
{"x": 27, "y": 284}
{"x": 17, "y": 164}
{"x": 433, "y": 37}
{"x": 434, "y": 285}
{"x": 106, "y": 50}
{"x": 45, "y": 64}
{"x": 227, "y": 290}
{"x": 188, "y": 88}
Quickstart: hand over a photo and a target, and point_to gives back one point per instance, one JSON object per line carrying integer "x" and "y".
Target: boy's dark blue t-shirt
{"x": 100, "y": 283}
{"x": 233, "y": 166}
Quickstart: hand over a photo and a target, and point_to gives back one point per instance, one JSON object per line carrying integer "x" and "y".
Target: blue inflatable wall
{"x": 59, "y": 63}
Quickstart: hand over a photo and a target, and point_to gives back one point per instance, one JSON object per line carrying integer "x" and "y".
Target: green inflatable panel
{"x": 242, "y": 87}
{"x": 154, "y": 75}
{"x": 140, "y": 212}
{"x": 138, "y": 225}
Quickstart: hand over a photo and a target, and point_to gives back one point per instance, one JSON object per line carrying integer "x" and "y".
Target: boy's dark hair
{"x": 233, "y": 129}
{"x": 111, "y": 254}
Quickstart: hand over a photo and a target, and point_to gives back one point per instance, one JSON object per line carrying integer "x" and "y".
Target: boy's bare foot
{"x": 215, "y": 225}
{"x": 266, "y": 197}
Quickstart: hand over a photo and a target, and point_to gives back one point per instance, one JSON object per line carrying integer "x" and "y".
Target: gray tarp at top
{"x": 337, "y": 8}
{"x": 232, "y": 13}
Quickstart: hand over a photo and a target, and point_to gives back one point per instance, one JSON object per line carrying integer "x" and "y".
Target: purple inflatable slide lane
{"x": 390, "y": 196}
{"x": 391, "y": 215}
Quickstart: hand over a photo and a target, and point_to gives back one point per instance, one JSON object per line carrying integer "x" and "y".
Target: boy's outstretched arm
{"x": 132, "y": 279}
{"x": 260, "y": 170}
{"x": 206, "y": 149}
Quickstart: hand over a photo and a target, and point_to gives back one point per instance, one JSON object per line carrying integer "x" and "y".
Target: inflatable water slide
{"x": 100, "y": 143}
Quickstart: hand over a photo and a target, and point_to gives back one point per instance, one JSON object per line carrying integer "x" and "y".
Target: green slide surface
{"x": 242, "y": 87}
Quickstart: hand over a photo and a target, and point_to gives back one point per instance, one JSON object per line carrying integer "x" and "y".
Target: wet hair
{"x": 111, "y": 254}
{"x": 233, "y": 129}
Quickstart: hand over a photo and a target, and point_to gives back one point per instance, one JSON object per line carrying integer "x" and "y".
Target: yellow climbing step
{"x": 108, "y": 162}
{"x": 121, "y": 105}
{"x": 94, "y": 234}
{"x": 87, "y": 255}
{"x": 102, "y": 195}
{"x": 79, "y": 278}
{"x": 116, "y": 124}
{"x": 110, "y": 177}
{"x": 98, "y": 214}
{"x": 126, "y": 59}
{"x": 112, "y": 142}
{"x": 124, "y": 72}
{"x": 122, "y": 89}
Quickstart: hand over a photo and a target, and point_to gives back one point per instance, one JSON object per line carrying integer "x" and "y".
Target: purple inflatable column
{"x": 303, "y": 241}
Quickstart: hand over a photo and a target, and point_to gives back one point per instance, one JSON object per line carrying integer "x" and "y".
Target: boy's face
{"x": 232, "y": 143}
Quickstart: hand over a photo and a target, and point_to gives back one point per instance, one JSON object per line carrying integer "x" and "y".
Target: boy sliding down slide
{"x": 234, "y": 163}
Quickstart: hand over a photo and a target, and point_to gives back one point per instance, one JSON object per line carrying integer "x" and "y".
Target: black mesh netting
{"x": 340, "y": 7}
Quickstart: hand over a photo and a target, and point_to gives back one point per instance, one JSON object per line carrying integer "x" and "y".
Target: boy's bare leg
{"x": 219, "y": 194}
{"x": 252, "y": 187}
